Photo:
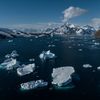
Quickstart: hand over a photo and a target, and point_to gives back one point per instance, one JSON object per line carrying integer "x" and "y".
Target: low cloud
{"x": 96, "y": 22}
{"x": 72, "y": 12}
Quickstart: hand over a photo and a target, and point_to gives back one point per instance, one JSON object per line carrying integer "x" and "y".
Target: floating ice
{"x": 9, "y": 64}
{"x": 80, "y": 50}
{"x": 10, "y": 41}
{"x": 26, "y": 69}
{"x": 46, "y": 55}
{"x": 62, "y": 76}
{"x": 51, "y": 45}
{"x": 98, "y": 68}
{"x": 12, "y": 55}
{"x": 33, "y": 85}
{"x": 32, "y": 60}
{"x": 87, "y": 66}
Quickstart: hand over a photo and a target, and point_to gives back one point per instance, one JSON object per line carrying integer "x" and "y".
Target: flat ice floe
{"x": 87, "y": 66}
{"x": 33, "y": 85}
{"x": 9, "y": 64}
{"x": 46, "y": 55}
{"x": 26, "y": 69}
{"x": 62, "y": 76}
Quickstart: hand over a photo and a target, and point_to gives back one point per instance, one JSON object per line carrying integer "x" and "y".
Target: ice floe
{"x": 26, "y": 69}
{"x": 46, "y": 55}
{"x": 33, "y": 85}
{"x": 87, "y": 66}
{"x": 9, "y": 64}
{"x": 62, "y": 76}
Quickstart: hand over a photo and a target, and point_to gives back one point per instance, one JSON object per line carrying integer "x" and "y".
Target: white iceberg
{"x": 87, "y": 66}
{"x": 62, "y": 76}
{"x": 9, "y": 64}
{"x": 46, "y": 55}
{"x": 26, "y": 69}
{"x": 12, "y": 55}
{"x": 33, "y": 85}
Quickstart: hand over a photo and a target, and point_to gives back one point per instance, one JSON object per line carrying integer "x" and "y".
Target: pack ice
{"x": 33, "y": 85}
{"x": 62, "y": 76}
{"x": 26, "y": 69}
{"x": 9, "y": 64}
{"x": 46, "y": 55}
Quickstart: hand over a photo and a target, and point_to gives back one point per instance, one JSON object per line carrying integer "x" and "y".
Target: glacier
{"x": 33, "y": 85}
{"x": 62, "y": 76}
{"x": 26, "y": 69}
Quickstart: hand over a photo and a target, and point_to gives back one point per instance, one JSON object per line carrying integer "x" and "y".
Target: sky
{"x": 19, "y": 12}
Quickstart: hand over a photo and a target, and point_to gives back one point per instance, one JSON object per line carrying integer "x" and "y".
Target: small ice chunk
{"x": 46, "y": 55}
{"x": 98, "y": 68}
{"x": 26, "y": 69}
{"x": 9, "y": 64}
{"x": 79, "y": 49}
{"x": 51, "y": 45}
{"x": 87, "y": 66}
{"x": 33, "y": 85}
{"x": 10, "y": 41}
{"x": 62, "y": 76}
{"x": 32, "y": 60}
{"x": 12, "y": 55}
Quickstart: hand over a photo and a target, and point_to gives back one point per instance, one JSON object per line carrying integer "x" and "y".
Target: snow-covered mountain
{"x": 72, "y": 30}
{"x": 67, "y": 29}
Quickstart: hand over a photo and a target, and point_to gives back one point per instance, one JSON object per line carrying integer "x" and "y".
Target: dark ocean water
{"x": 74, "y": 52}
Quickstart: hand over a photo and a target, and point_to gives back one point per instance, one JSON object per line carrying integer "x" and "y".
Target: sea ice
{"x": 87, "y": 66}
{"x": 46, "y": 55}
{"x": 9, "y": 64}
{"x": 33, "y": 85}
{"x": 62, "y": 76}
{"x": 26, "y": 69}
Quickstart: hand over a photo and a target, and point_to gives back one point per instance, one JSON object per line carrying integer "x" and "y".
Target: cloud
{"x": 72, "y": 12}
{"x": 96, "y": 22}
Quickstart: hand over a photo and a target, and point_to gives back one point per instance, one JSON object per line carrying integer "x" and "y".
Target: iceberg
{"x": 9, "y": 64}
{"x": 33, "y": 85}
{"x": 87, "y": 66}
{"x": 62, "y": 76}
{"x": 26, "y": 69}
{"x": 46, "y": 55}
